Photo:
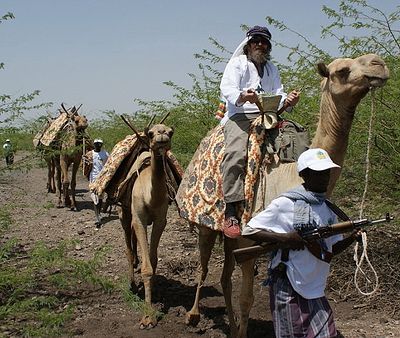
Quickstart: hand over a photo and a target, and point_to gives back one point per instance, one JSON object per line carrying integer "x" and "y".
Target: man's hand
{"x": 292, "y": 240}
{"x": 292, "y": 98}
{"x": 248, "y": 95}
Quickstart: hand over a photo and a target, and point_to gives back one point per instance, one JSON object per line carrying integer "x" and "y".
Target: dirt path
{"x": 102, "y": 315}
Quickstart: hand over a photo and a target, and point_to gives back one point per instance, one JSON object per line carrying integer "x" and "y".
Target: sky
{"x": 105, "y": 53}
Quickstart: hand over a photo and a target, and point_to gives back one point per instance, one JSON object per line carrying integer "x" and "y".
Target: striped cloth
{"x": 295, "y": 316}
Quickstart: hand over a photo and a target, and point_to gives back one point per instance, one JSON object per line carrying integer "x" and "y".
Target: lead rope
{"x": 83, "y": 153}
{"x": 364, "y": 254}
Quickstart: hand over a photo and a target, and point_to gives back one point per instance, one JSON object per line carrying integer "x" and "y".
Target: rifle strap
{"x": 319, "y": 252}
{"x": 339, "y": 212}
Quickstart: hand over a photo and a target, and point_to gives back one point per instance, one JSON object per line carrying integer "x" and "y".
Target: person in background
{"x": 248, "y": 73}
{"x": 8, "y": 152}
{"x": 299, "y": 270}
{"x": 98, "y": 159}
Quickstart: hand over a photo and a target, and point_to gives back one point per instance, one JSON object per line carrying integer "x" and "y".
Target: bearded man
{"x": 248, "y": 73}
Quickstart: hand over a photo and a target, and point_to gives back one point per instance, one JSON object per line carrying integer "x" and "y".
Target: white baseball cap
{"x": 98, "y": 140}
{"x": 316, "y": 159}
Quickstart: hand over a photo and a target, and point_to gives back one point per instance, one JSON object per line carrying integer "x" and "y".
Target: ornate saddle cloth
{"x": 47, "y": 136}
{"x": 126, "y": 159}
{"x": 200, "y": 197}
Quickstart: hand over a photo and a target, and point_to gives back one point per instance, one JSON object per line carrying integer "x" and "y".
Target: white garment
{"x": 306, "y": 273}
{"x": 99, "y": 159}
{"x": 241, "y": 74}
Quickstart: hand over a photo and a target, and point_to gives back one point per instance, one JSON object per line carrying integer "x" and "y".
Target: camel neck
{"x": 333, "y": 129}
{"x": 157, "y": 169}
{"x": 332, "y": 133}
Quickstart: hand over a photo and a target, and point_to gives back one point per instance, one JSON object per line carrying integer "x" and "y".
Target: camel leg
{"x": 75, "y": 168}
{"x": 226, "y": 282}
{"x": 139, "y": 227}
{"x": 125, "y": 218}
{"x": 246, "y": 296}
{"x": 66, "y": 199}
{"x": 58, "y": 180}
{"x": 158, "y": 228}
{"x": 52, "y": 181}
{"x": 207, "y": 239}
{"x": 50, "y": 176}
{"x": 65, "y": 182}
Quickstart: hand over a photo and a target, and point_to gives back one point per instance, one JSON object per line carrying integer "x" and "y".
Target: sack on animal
{"x": 292, "y": 140}
{"x": 126, "y": 160}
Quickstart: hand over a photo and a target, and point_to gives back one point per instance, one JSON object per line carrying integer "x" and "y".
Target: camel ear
{"x": 171, "y": 132}
{"x": 323, "y": 69}
{"x": 146, "y": 131}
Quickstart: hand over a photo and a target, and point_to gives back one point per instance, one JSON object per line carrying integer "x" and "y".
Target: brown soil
{"x": 99, "y": 314}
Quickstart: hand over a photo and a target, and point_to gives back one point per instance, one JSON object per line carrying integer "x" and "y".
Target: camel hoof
{"x": 148, "y": 322}
{"x": 192, "y": 319}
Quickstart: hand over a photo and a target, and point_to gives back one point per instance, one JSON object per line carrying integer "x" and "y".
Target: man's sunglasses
{"x": 257, "y": 40}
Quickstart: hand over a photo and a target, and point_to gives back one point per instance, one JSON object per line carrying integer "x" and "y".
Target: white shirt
{"x": 99, "y": 159}
{"x": 241, "y": 74}
{"x": 306, "y": 273}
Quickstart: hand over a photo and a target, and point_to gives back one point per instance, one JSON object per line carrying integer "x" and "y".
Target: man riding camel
{"x": 248, "y": 73}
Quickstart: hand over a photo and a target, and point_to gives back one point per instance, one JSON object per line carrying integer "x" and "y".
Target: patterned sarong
{"x": 295, "y": 316}
{"x": 200, "y": 197}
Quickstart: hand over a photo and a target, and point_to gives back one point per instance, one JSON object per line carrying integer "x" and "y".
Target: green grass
{"x": 136, "y": 303}
{"x": 38, "y": 289}
{"x": 5, "y": 219}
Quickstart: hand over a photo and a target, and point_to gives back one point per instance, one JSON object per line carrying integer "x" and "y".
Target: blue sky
{"x": 105, "y": 53}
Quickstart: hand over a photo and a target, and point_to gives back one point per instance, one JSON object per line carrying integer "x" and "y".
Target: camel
{"x": 62, "y": 149}
{"x": 344, "y": 83}
{"x": 144, "y": 204}
{"x": 71, "y": 150}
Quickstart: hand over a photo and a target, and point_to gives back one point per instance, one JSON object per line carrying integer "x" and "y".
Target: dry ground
{"x": 102, "y": 315}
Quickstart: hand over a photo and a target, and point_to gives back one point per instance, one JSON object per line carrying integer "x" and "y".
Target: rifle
{"x": 309, "y": 234}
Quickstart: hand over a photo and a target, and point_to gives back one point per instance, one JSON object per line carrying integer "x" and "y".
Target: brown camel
{"x": 71, "y": 149}
{"x": 345, "y": 82}
{"x": 143, "y": 205}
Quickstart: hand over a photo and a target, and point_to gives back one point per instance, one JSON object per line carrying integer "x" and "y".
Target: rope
{"x": 359, "y": 262}
{"x": 364, "y": 254}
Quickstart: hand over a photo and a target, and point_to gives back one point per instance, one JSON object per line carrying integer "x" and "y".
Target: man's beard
{"x": 258, "y": 56}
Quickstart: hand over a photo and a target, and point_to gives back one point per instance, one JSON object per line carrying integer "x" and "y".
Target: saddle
{"x": 200, "y": 196}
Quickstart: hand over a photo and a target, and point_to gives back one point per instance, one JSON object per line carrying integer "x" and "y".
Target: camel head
{"x": 347, "y": 80}
{"x": 81, "y": 122}
{"x": 159, "y": 137}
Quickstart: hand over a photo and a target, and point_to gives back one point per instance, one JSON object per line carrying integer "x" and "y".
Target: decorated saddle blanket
{"x": 51, "y": 130}
{"x": 200, "y": 196}
{"x": 126, "y": 159}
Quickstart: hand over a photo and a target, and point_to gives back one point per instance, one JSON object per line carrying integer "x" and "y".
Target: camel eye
{"x": 343, "y": 73}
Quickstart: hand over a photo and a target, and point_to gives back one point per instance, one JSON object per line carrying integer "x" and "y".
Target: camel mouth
{"x": 376, "y": 82}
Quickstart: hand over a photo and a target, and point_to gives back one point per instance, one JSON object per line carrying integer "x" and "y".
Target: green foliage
{"x": 372, "y": 31}
{"x": 5, "y": 219}
{"x": 36, "y": 287}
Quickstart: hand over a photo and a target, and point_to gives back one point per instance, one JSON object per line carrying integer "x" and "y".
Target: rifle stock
{"x": 244, "y": 254}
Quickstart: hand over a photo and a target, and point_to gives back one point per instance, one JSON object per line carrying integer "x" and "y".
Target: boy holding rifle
{"x": 299, "y": 269}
